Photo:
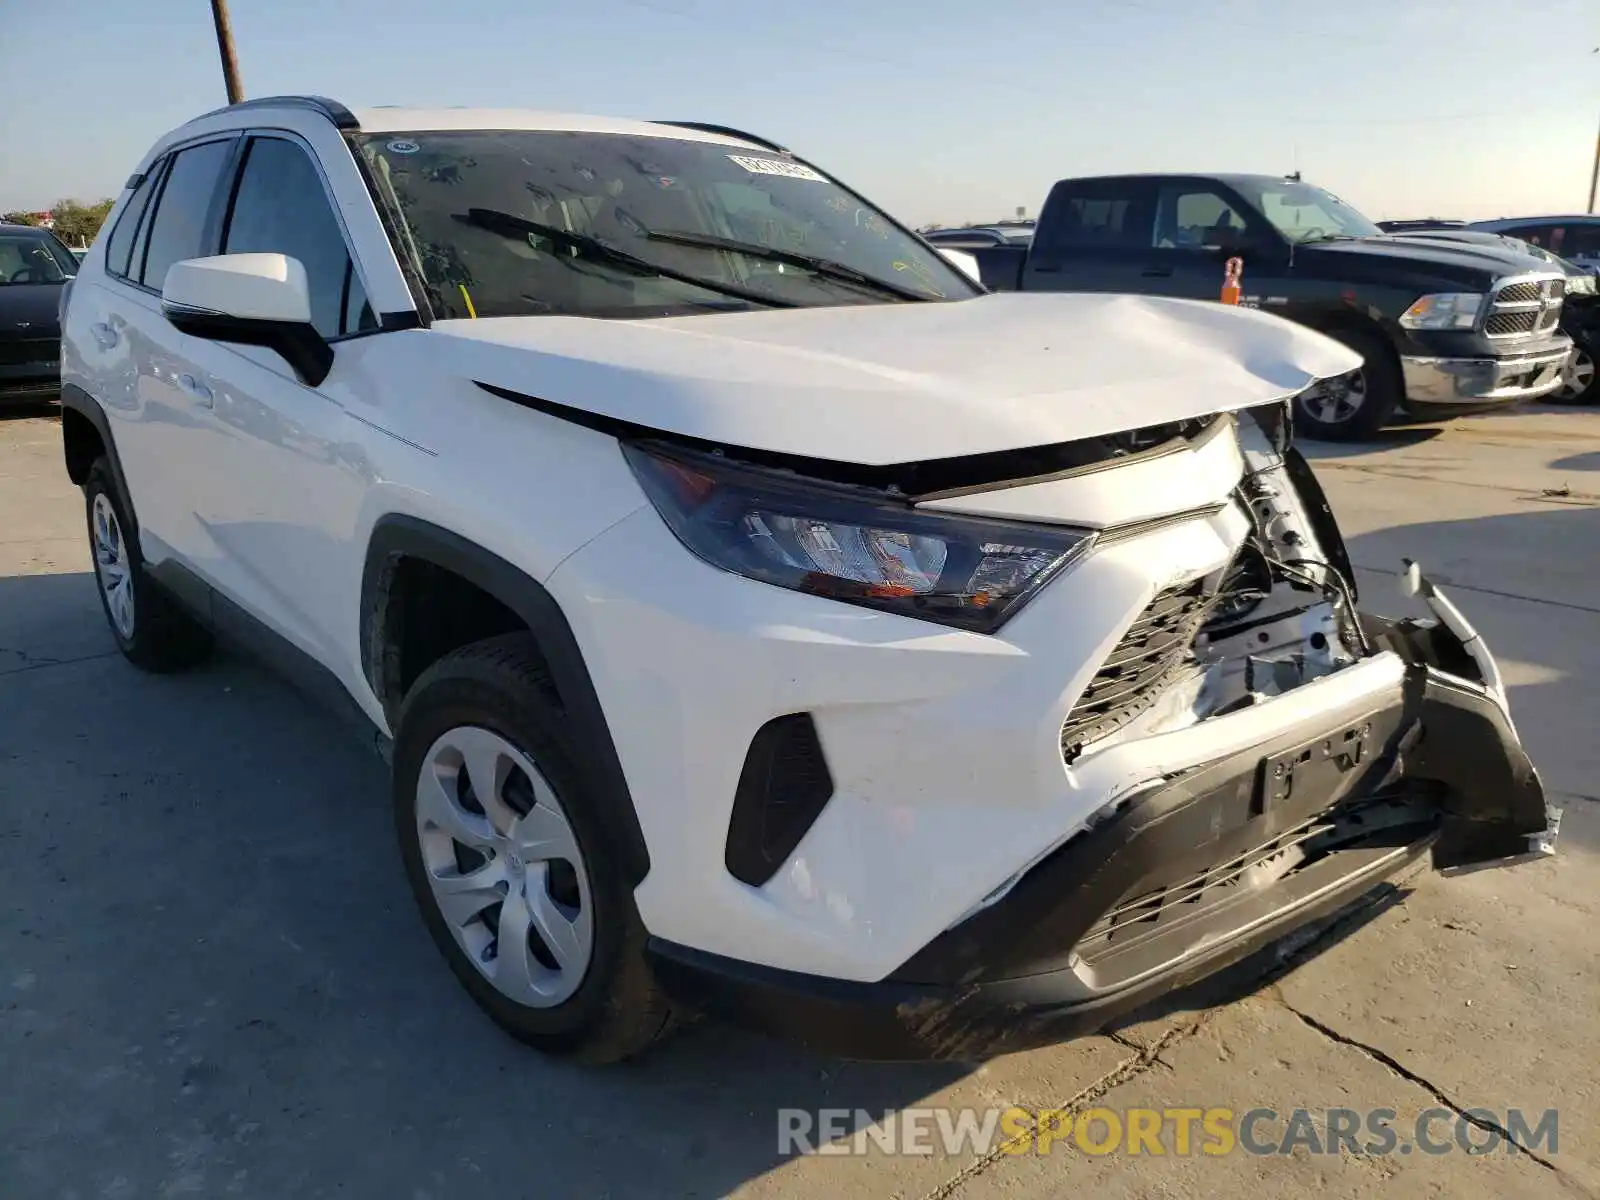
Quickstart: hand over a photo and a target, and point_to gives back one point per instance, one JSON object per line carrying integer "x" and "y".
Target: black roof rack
{"x": 727, "y": 131}
{"x": 341, "y": 116}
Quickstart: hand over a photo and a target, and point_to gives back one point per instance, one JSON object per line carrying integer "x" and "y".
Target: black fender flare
{"x": 81, "y": 402}
{"x": 396, "y": 536}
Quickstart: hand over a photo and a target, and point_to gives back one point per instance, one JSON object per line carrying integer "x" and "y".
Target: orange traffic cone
{"x": 1231, "y": 274}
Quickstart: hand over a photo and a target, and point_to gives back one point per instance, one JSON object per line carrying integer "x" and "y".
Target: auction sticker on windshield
{"x": 776, "y": 166}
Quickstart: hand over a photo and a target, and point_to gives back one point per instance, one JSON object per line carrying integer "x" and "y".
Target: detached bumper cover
{"x": 1474, "y": 381}
{"x": 1183, "y": 878}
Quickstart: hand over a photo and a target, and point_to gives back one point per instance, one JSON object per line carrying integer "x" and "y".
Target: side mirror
{"x": 252, "y": 300}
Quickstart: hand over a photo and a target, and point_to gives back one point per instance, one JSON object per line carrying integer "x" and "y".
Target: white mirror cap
{"x": 1411, "y": 579}
{"x": 966, "y": 263}
{"x": 256, "y": 287}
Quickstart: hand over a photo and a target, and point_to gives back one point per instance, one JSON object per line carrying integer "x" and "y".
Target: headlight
{"x": 851, "y": 544}
{"x": 1580, "y": 285}
{"x": 1445, "y": 310}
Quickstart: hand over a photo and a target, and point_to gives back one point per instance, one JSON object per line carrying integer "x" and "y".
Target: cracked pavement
{"x": 214, "y": 983}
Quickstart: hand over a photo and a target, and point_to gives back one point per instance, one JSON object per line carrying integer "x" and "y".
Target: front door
{"x": 289, "y": 473}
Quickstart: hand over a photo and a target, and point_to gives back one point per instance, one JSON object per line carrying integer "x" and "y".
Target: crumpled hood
{"x": 893, "y": 383}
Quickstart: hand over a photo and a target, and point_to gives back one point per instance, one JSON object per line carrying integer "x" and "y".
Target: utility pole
{"x": 1594, "y": 175}
{"x": 230, "y": 62}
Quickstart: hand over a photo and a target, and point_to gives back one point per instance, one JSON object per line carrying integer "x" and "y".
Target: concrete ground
{"x": 214, "y": 983}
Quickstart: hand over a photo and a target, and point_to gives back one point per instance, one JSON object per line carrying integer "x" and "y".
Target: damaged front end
{"x": 1269, "y": 753}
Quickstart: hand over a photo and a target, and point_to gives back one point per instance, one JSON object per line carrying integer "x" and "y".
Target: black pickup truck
{"x": 1442, "y": 327}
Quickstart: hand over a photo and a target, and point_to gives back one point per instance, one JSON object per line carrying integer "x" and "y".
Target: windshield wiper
{"x": 1330, "y": 237}
{"x": 825, "y": 267}
{"x": 510, "y": 225}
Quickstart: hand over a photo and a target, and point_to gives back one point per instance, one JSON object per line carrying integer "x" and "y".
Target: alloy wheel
{"x": 1335, "y": 401}
{"x": 1577, "y": 375}
{"x": 112, "y": 567}
{"x": 504, "y": 866}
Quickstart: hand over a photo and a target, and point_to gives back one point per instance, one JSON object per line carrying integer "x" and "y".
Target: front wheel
{"x": 521, "y": 885}
{"x": 1352, "y": 407}
{"x": 1579, "y": 383}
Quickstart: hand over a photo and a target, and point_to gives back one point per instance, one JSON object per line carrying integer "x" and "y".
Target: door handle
{"x": 192, "y": 387}
{"x": 1157, "y": 273}
{"x": 104, "y": 335}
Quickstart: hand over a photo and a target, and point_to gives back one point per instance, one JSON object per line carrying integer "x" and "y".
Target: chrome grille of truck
{"x": 1132, "y": 675}
{"x": 1525, "y": 307}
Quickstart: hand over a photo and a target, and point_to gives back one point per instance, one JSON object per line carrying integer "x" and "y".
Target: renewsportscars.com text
{"x": 1164, "y": 1131}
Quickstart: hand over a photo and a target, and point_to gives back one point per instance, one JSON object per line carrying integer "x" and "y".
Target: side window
{"x": 1539, "y": 235}
{"x": 281, "y": 207}
{"x": 178, "y": 229}
{"x": 1111, "y": 217}
{"x": 120, "y": 243}
{"x": 1583, "y": 241}
{"x": 1191, "y": 218}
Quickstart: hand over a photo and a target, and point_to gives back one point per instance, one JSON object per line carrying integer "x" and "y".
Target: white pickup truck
{"x": 756, "y": 614}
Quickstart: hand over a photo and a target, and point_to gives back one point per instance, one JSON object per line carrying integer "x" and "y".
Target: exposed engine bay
{"x": 1285, "y": 612}
{"x": 1282, "y": 613}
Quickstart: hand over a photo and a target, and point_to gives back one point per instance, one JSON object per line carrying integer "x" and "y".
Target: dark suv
{"x": 34, "y": 267}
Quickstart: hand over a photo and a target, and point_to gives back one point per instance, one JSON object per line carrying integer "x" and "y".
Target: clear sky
{"x": 940, "y": 111}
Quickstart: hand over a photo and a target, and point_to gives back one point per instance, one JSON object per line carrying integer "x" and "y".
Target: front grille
{"x": 1503, "y": 323}
{"x": 1131, "y": 677}
{"x": 1519, "y": 293}
{"x": 20, "y": 351}
{"x": 1525, "y": 308}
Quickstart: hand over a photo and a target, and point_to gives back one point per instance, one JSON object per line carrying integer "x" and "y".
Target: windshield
{"x": 1303, "y": 213}
{"x": 34, "y": 258}
{"x": 531, "y": 222}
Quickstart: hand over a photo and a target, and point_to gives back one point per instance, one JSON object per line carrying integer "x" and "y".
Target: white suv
{"x": 757, "y": 615}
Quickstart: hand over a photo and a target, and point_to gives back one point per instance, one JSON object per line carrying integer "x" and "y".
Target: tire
{"x": 492, "y": 704}
{"x": 1353, "y": 407}
{"x": 1580, "y": 381}
{"x": 150, "y": 629}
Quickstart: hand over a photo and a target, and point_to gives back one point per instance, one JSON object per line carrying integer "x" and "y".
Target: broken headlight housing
{"x": 849, "y": 543}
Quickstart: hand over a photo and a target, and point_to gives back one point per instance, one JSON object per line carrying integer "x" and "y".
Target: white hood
{"x": 891, "y": 383}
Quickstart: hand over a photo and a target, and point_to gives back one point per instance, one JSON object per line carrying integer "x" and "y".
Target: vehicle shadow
{"x": 15, "y": 411}
{"x": 1589, "y": 461}
{"x": 1393, "y": 437}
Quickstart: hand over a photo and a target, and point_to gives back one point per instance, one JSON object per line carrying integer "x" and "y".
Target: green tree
{"x": 20, "y": 218}
{"x": 77, "y": 224}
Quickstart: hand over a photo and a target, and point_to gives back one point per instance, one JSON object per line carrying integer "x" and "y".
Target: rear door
{"x": 1094, "y": 235}
{"x": 134, "y": 359}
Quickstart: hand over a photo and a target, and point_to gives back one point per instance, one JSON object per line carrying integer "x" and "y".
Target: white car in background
{"x": 756, "y": 615}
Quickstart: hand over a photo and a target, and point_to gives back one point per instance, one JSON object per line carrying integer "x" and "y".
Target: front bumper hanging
{"x": 1190, "y": 875}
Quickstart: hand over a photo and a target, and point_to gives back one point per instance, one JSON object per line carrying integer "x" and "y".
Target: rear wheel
{"x": 1355, "y": 406}
{"x": 521, "y": 886}
{"x": 150, "y": 629}
{"x": 1579, "y": 383}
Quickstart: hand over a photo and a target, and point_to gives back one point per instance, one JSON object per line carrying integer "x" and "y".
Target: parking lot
{"x": 215, "y": 982}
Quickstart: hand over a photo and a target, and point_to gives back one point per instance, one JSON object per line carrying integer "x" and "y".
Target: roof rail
{"x": 341, "y": 116}
{"x": 727, "y": 131}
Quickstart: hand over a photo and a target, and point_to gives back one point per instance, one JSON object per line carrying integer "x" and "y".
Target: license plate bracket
{"x": 1318, "y": 765}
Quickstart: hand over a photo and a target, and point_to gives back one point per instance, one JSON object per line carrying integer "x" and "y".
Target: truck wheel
{"x": 1352, "y": 407}
{"x": 1579, "y": 382}
{"x": 520, "y": 884}
{"x": 150, "y": 629}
